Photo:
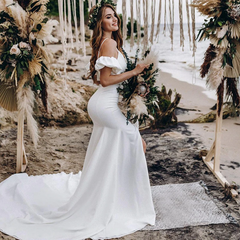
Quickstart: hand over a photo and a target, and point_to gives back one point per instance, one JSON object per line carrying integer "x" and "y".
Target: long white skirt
{"x": 110, "y": 198}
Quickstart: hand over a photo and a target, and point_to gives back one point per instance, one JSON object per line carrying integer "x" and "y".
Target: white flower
{"x": 15, "y": 50}
{"x": 221, "y": 31}
{"x": 24, "y": 45}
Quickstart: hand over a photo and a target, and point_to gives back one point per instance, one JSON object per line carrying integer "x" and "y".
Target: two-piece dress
{"x": 109, "y": 198}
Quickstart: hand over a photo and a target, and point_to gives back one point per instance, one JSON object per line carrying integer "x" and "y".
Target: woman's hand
{"x": 139, "y": 68}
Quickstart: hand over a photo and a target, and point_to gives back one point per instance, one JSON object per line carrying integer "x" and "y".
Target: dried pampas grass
{"x": 216, "y": 71}
{"x": 210, "y": 54}
{"x": 231, "y": 87}
{"x": 4, "y": 5}
{"x": 220, "y": 92}
{"x": 23, "y": 79}
{"x": 25, "y": 99}
{"x": 152, "y": 57}
{"x": 137, "y": 105}
{"x": 20, "y": 16}
{"x": 210, "y": 8}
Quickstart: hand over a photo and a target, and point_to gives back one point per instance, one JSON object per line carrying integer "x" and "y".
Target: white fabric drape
{"x": 138, "y": 5}
{"x": 124, "y": 19}
{"x": 181, "y": 25}
{"x": 82, "y": 26}
{"x": 193, "y": 31}
{"x": 145, "y": 15}
{"x": 159, "y": 19}
{"x": 188, "y": 23}
{"x": 153, "y": 8}
{"x": 132, "y": 23}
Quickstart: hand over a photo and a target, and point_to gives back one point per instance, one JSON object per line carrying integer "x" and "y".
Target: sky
{"x": 199, "y": 19}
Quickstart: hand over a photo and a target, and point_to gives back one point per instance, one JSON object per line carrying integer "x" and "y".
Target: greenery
{"x": 131, "y": 87}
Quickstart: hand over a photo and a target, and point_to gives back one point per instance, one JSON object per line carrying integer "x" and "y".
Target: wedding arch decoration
{"x": 221, "y": 64}
{"x": 24, "y": 31}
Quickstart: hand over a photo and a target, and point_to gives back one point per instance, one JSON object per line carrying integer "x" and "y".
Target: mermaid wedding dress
{"x": 109, "y": 198}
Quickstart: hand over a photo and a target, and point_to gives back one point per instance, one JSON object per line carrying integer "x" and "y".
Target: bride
{"x": 111, "y": 196}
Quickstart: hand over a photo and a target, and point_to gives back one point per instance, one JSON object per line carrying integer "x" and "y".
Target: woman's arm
{"x": 109, "y": 49}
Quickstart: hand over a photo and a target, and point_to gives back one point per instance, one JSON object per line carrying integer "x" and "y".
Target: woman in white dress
{"x": 111, "y": 196}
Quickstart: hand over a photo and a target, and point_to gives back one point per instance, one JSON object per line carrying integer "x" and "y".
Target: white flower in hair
{"x": 15, "y": 50}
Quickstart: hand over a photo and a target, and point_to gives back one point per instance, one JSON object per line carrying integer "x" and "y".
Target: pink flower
{"x": 24, "y": 45}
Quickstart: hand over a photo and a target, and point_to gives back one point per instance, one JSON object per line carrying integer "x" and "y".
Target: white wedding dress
{"x": 109, "y": 198}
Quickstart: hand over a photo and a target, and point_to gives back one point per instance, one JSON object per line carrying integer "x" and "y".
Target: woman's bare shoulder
{"x": 109, "y": 48}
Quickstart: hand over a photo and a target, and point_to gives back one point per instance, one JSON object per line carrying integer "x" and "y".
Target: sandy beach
{"x": 194, "y": 98}
{"x": 172, "y": 155}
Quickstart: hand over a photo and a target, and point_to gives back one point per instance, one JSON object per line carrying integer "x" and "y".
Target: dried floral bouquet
{"x": 139, "y": 93}
{"x": 222, "y": 58}
{"x": 23, "y": 57}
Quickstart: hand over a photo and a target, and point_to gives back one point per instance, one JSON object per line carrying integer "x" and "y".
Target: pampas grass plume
{"x": 216, "y": 71}
{"x": 25, "y": 99}
{"x": 137, "y": 105}
{"x": 4, "y": 5}
{"x": 20, "y": 16}
{"x": 152, "y": 57}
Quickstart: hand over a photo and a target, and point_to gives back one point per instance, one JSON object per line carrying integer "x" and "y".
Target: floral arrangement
{"x": 222, "y": 58}
{"x": 93, "y": 16}
{"x": 139, "y": 93}
{"x": 24, "y": 31}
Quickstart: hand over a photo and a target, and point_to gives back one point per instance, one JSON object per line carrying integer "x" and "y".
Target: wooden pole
{"x": 215, "y": 151}
{"x": 21, "y": 155}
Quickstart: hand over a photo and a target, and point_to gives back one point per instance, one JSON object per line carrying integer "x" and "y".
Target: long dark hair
{"x": 97, "y": 36}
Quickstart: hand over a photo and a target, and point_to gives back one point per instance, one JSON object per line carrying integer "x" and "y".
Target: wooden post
{"x": 215, "y": 151}
{"x": 21, "y": 155}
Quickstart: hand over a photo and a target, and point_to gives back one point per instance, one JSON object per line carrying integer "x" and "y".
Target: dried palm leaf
{"x": 8, "y": 99}
{"x": 235, "y": 30}
{"x": 35, "y": 67}
{"x": 234, "y": 72}
{"x": 222, "y": 43}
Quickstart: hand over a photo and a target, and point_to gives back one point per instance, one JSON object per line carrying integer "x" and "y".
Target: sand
{"x": 194, "y": 98}
{"x": 172, "y": 156}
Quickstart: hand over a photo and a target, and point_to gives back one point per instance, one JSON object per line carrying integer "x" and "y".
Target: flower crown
{"x": 93, "y": 16}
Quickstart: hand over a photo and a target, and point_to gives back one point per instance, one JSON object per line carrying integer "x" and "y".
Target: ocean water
{"x": 178, "y": 61}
